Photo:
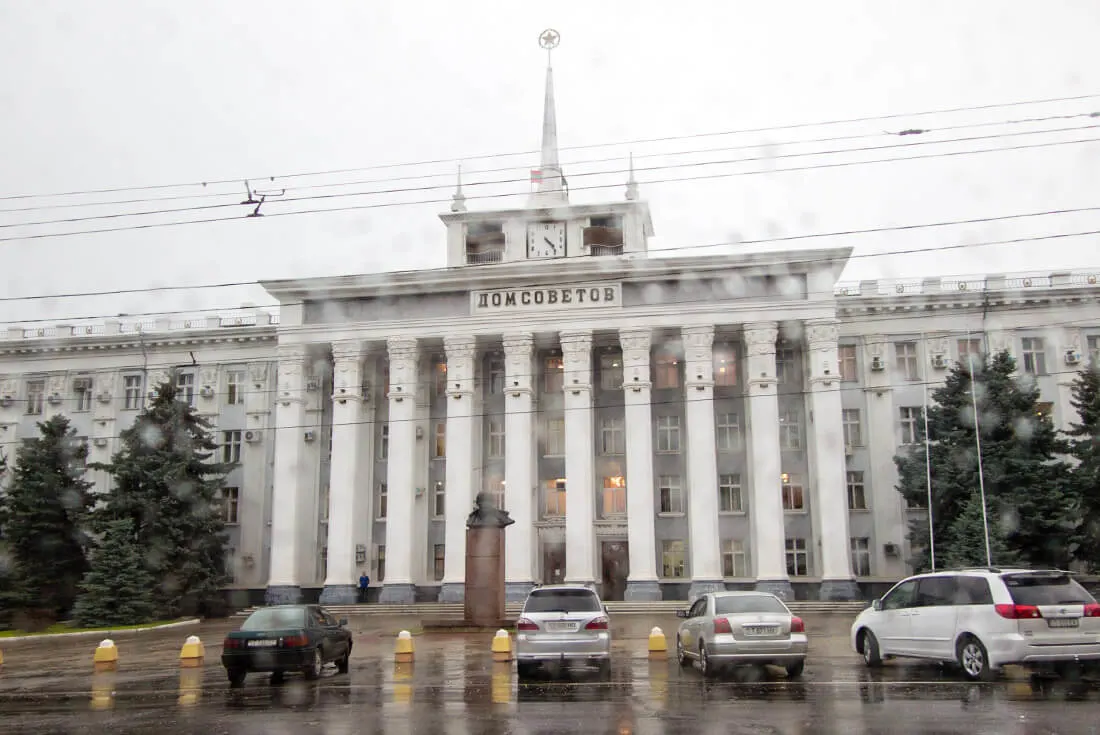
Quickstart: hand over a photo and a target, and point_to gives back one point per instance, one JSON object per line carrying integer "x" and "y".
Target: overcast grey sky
{"x": 119, "y": 94}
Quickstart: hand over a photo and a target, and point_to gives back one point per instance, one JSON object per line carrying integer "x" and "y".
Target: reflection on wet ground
{"x": 454, "y": 687}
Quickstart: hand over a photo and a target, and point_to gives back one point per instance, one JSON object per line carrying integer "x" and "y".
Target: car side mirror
{"x": 876, "y": 605}
{"x": 343, "y": 621}
{"x": 681, "y": 613}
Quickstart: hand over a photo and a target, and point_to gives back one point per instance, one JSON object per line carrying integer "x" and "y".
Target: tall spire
{"x": 551, "y": 183}
{"x": 631, "y": 184}
{"x": 458, "y": 201}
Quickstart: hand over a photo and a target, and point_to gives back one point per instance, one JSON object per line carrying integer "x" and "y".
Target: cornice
{"x": 130, "y": 341}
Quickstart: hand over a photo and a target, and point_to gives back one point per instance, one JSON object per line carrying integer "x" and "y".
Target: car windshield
{"x": 748, "y": 604}
{"x": 1043, "y": 589}
{"x": 568, "y": 601}
{"x": 275, "y": 619}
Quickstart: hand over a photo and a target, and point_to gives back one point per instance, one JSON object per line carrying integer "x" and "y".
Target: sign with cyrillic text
{"x": 547, "y": 298}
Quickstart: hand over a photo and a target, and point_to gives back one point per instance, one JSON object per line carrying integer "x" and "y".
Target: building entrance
{"x": 615, "y": 566}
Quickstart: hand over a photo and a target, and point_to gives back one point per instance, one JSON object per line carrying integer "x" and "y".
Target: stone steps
{"x": 451, "y": 611}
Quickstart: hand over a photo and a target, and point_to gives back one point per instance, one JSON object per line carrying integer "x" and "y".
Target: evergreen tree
{"x": 118, "y": 589}
{"x": 43, "y": 514}
{"x": 1084, "y": 446}
{"x": 169, "y": 487}
{"x": 967, "y": 536}
{"x": 1030, "y": 503}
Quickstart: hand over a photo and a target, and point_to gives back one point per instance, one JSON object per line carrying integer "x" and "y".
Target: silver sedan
{"x": 730, "y": 628}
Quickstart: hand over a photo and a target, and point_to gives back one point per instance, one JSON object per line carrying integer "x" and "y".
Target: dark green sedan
{"x": 286, "y": 638}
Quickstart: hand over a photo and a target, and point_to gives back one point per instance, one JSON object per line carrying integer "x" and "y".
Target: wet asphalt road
{"x": 454, "y": 688}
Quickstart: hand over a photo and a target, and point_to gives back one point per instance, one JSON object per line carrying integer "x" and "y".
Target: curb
{"x": 104, "y": 633}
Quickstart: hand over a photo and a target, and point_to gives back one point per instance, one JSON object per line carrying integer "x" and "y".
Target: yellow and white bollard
{"x": 658, "y": 646}
{"x": 501, "y": 683}
{"x": 403, "y": 652}
{"x": 193, "y": 653}
{"x": 502, "y": 647}
{"x": 402, "y": 683}
{"x": 1, "y": 659}
{"x": 106, "y": 656}
{"x": 190, "y": 686}
{"x": 103, "y": 690}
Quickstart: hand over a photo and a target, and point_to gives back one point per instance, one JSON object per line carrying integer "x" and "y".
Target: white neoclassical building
{"x": 658, "y": 426}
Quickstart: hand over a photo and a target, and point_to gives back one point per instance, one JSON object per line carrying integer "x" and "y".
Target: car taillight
{"x": 797, "y": 626}
{"x": 599, "y": 623}
{"x": 722, "y": 625}
{"x": 231, "y": 643}
{"x": 525, "y": 624}
{"x": 1018, "y": 612}
{"x": 1092, "y": 610}
{"x": 295, "y": 641}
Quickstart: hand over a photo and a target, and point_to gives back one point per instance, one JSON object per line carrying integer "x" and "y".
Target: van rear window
{"x": 1046, "y": 589}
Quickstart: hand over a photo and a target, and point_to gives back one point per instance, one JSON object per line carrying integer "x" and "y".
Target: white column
{"x": 249, "y": 565}
{"x": 287, "y": 503}
{"x": 642, "y": 582}
{"x": 881, "y": 478}
{"x": 398, "y": 585}
{"x": 348, "y": 426}
{"x": 837, "y": 581}
{"x": 580, "y": 541}
{"x": 702, "y": 458}
{"x": 766, "y": 512}
{"x": 519, "y": 470}
{"x": 458, "y": 485}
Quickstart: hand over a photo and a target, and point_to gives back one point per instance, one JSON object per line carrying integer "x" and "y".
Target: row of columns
{"x": 765, "y": 468}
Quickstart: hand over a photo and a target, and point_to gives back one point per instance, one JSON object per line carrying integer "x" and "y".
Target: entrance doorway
{"x": 553, "y": 563}
{"x": 615, "y": 564}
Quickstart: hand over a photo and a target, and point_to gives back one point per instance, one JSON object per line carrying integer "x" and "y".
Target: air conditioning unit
{"x": 309, "y": 435}
{"x": 939, "y": 362}
{"x": 100, "y": 441}
{"x": 877, "y": 364}
{"x": 1072, "y": 356}
{"x": 891, "y": 549}
{"x": 206, "y": 391}
{"x": 54, "y": 398}
{"x": 253, "y": 436}
{"x": 103, "y": 396}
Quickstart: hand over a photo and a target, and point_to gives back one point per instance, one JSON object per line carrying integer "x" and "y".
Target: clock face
{"x": 546, "y": 240}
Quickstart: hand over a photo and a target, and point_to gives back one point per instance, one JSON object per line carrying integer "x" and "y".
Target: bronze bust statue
{"x": 487, "y": 514}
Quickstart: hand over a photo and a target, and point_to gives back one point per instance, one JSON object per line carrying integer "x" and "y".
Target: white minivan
{"x": 983, "y": 619}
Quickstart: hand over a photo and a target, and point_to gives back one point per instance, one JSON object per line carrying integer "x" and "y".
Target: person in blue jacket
{"x": 364, "y": 583}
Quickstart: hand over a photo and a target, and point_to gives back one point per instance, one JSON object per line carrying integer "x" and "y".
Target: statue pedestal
{"x": 484, "y": 597}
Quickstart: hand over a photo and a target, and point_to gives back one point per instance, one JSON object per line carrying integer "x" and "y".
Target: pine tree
{"x": 1084, "y": 446}
{"x": 169, "y": 487}
{"x": 118, "y": 589}
{"x": 43, "y": 514}
{"x": 965, "y": 537}
{"x": 1036, "y": 510}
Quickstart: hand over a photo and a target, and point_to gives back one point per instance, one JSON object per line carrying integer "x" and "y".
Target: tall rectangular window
{"x": 553, "y": 373}
{"x": 672, "y": 495}
{"x": 905, "y": 353}
{"x": 496, "y": 376}
{"x": 82, "y": 391}
{"x": 727, "y": 432}
{"x": 36, "y": 397}
{"x": 612, "y": 436}
{"x": 849, "y": 368}
{"x": 185, "y": 388}
{"x": 383, "y": 497}
{"x": 725, "y": 366}
{"x": 439, "y": 560}
{"x": 131, "y": 386}
{"x": 554, "y": 505}
{"x": 970, "y": 348}
{"x": 668, "y": 434}
{"x": 496, "y": 438}
{"x": 857, "y": 494}
{"x": 786, "y": 372}
{"x": 794, "y": 498}
{"x": 439, "y": 377}
{"x": 614, "y": 497}
{"x": 729, "y": 494}
{"x": 231, "y": 497}
{"x": 910, "y": 416}
{"x": 1093, "y": 347}
{"x": 384, "y": 442}
{"x": 439, "y": 500}
{"x": 611, "y": 371}
{"x": 861, "y": 556}
{"x": 735, "y": 562}
{"x": 790, "y": 429}
{"x": 666, "y": 372}
{"x": 494, "y": 486}
{"x": 234, "y": 387}
{"x": 1034, "y": 354}
{"x": 673, "y": 558}
{"x": 231, "y": 447}
{"x": 439, "y": 446}
{"x": 798, "y": 558}
{"x": 555, "y": 437}
{"x": 853, "y": 434}
{"x": 380, "y": 563}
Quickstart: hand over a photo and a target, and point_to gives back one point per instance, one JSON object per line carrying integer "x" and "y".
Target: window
{"x": 672, "y": 495}
{"x": 384, "y": 442}
{"x": 324, "y": 494}
{"x": 725, "y": 366}
{"x": 794, "y": 498}
{"x": 857, "y": 494}
{"x": 36, "y": 394}
{"x": 230, "y": 565}
{"x": 554, "y": 499}
{"x": 849, "y": 368}
{"x": 380, "y": 563}
{"x": 785, "y": 366}
{"x": 853, "y": 436}
{"x": 386, "y": 379}
{"x": 555, "y": 437}
{"x": 439, "y": 561}
{"x": 382, "y": 501}
{"x": 611, "y": 371}
{"x": 790, "y": 429}
{"x": 234, "y": 385}
{"x": 553, "y": 374}
{"x": 496, "y": 376}
{"x": 231, "y": 447}
{"x": 902, "y": 596}
{"x": 861, "y": 556}
{"x": 968, "y": 348}
{"x": 1045, "y": 409}
{"x": 131, "y": 386}
{"x": 729, "y": 494}
{"x": 80, "y": 454}
{"x": 668, "y": 434}
{"x": 231, "y": 498}
{"x": 439, "y": 377}
{"x": 672, "y": 558}
{"x": 906, "y": 355}
{"x": 439, "y": 500}
{"x": 727, "y": 434}
{"x": 496, "y": 438}
{"x": 82, "y": 389}
{"x": 439, "y": 446}
{"x": 185, "y": 388}
{"x": 1034, "y": 353}
{"x": 614, "y": 497}
{"x": 798, "y": 558}
{"x": 494, "y": 486}
{"x": 1093, "y": 344}
{"x": 735, "y": 562}
{"x": 612, "y": 436}
{"x": 909, "y": 417}
{"x": 666, "y": 372}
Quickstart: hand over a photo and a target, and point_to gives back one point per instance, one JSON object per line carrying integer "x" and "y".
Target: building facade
{"x": 657, "y": 426}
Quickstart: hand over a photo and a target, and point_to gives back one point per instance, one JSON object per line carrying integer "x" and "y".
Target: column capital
{"x": 402, "y": 348}
{"x": 460, "y": 350}
{"x": 576, "y": 347}
{"x": 349, "y": 350}
{"x": 292, "y": 360}
{"x": 636, "y": 338}
{"x": 575, "y": 339}
{"x": 403, "y": 353}
{"x": 347, "y": 371}
{"x": 760, "y": 338}
{"x": 698, "y": 345}
{"x": 517, "y": 363}
{"x": 459, "y": 347}
{"x": 518, "y": 343}
{"x": 821, "y": 332}
{"x": 636, "y": 342}
{"x": 290, "y": 353}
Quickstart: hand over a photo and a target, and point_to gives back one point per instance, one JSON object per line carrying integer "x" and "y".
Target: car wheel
{"x": 681, "y": 656}
{"x": 236, "y": 677}
{"x": 704, "y": 662}
{"x": 871, "y": 655}
{"x": 974, "y": 659}
{"x": 313, "y": 671}
{"x": 795, "y": 670}
{"x": 344, "y": 662}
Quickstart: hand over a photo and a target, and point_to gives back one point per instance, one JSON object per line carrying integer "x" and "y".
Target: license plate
{"x": 762, "y": 630}
{"x": 561, "y": 627}
{"x": 261, "y": 644}
{"x": 1062, "y": 622}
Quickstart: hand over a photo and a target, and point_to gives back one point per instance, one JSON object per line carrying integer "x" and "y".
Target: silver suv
{"x": 563, "y": 624}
